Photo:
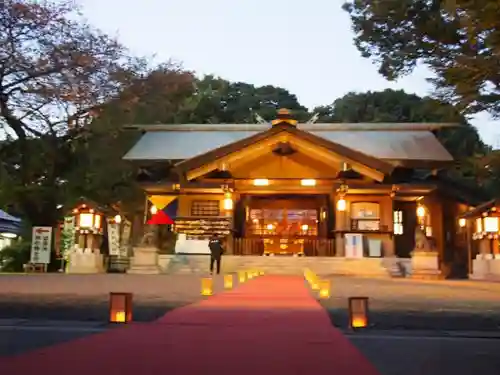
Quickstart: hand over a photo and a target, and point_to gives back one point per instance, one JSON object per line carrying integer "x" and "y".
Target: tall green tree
{"x": 458, "y": 39}
{"x": 219, "y": 101}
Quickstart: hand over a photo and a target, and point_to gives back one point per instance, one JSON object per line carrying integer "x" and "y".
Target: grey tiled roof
{"x": 6, "y": 217}
{"x": 179, "y": 144}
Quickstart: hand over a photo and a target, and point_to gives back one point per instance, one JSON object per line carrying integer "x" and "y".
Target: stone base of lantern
{"x": 425, "y": 265}
{"x": 144, "y": 261}
{"x": 85, "y": 261}
{"x": 486, "y": 267}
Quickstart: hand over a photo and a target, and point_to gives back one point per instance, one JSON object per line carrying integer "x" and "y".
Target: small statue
{"x": 422, "y": 243}
{"x": 150, "y": 237}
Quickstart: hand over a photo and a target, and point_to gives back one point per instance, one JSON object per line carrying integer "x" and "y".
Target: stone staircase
{"x": 199, "y": 264}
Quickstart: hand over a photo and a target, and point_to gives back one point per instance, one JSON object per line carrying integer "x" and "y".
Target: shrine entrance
{"x": 285, "y": 223}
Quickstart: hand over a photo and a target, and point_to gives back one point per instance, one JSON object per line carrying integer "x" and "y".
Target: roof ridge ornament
{"x": 284, "y": 116}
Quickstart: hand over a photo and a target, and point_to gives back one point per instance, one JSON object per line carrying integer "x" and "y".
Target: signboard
{"x": 125, "y": 239}
{"x": 113, "y": 238}
{"x": 41, "y": 245}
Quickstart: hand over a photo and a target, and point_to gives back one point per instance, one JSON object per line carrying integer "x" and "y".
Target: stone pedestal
{"x": 144, "y": 261}
{"x": 485, "y": 267}
{"x": 85, "y": 261}
{"x": 425, "y": 265}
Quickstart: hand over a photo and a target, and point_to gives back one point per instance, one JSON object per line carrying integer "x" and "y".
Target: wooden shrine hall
{"x": 349, "y": 191}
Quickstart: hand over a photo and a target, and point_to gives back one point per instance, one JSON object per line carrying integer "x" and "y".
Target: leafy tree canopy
{"x": 458, "y": 39}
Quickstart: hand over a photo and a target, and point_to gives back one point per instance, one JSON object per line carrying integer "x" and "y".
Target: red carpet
{"x": 270, "y": 325}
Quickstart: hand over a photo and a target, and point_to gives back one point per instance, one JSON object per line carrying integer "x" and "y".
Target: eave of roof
{"x": 304, "y": 126}
{"x": 349, "y": 153}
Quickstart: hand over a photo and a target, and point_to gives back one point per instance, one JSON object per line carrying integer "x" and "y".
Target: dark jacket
{"x": 215, "y": 246}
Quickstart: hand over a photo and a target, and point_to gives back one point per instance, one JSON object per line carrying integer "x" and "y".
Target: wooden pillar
{"x": 469, "y": 245}
{"x": 340, "y": 225}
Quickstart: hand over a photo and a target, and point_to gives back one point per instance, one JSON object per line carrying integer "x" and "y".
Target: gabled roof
{"x": 403, "y": 144}
{"x": 348, "y": 153}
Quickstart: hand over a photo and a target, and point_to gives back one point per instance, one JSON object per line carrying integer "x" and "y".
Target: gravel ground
{"x": 394, "y": 303}
{"x": 415, "y": 304}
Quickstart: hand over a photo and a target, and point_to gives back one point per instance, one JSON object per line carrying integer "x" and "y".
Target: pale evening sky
{"x": 303, "y": 46}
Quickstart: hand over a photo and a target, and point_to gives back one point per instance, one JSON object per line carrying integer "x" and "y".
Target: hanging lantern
{"x": 358, "y": 312}
{"x": 421, "y": 211}
{"x": 228, "y": 201}
{"x": 462, "y": 222}
{"x": 120, "y": 307}
{"x": 242, "y": 276}
{"x": 341, "y": 204}
{"x": 153, "y": 209}
{"x": 118, "y": 219}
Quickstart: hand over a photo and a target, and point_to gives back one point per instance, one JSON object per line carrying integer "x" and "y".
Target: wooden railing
{"x": 322, "y": 247}
{"x": 312, "y": 247}
{"x": 248, "y": 246}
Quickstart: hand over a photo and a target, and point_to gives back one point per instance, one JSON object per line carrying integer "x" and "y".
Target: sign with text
{"x": 113, "y": 237}
{"x": 41, "y": 245}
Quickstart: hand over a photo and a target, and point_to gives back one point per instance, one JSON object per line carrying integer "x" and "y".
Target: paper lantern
{"x": 324, "y": 289}
{"x": 242, "y": 276}
{"x": 206, "y": 286}
{"x": 228, "y": 281}
{"x": 341, "y": 204}
{"x": 358, "y": 312}
{"x": 120, "y": 307}
{"x": 249, "y": 275}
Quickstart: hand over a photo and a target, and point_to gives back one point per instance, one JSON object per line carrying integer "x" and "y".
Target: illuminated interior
{"x": 284, "y": 222}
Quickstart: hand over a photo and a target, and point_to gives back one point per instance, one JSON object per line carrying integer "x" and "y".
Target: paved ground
{"x": 416, "y": 304}
{"x": 410, "y": 355}
{"x": 394, "y": 303}
{"x": 393, "y": 354}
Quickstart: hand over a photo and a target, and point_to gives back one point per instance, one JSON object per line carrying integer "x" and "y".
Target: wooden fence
{"x": 312, "y": 247}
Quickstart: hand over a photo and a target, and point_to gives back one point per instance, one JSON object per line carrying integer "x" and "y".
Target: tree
{"x": 458, "y": 39}
{"x": 101, "y": 174}
{"x": 398, "y": 106}
{"x": 219, "y": 101}
{"x": 55, "y": 72}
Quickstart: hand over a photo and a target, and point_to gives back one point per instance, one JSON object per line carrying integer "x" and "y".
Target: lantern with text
{"x": 206, "y": 286}
{"x": 228, "y": 281}
{"x": 120, "y": 307}
{"x": 324, "y": 289}
{"x": 358, "y": 312}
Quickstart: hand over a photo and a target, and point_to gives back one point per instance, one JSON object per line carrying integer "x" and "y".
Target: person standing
{"x": 216, "y": 251}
